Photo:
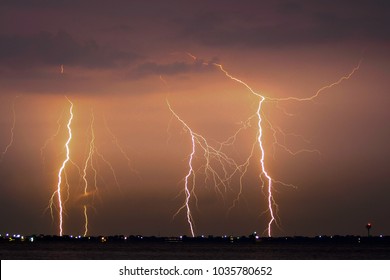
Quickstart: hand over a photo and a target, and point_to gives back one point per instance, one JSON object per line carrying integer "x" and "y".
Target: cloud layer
{"x": 47, "y": 49}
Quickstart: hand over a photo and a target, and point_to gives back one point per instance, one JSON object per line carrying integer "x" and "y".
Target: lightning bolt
{"x": 88, "y": 174}
{"x": 264, "y": 171}
{"x": 61, "y": 172}
{"x": 276, "y": 143}
{"x": 51, "y": 138}
{"x": 190, "y": 173}
{"x": 217, "y": 168}
{"x": 115, "y": 141}
{"x": 11, "y": 140}
{"x": 322, "y": 89}
{"x": 264, "y": 174}
{"x": 93, "y": 156}
{"x": 89, "y": 162}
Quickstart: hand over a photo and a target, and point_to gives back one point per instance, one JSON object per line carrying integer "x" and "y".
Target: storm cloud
{"x": 289, "y": 24}
{"x": 47, "y": 49}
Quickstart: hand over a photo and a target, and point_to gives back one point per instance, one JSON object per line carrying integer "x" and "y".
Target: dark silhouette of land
{"x": 201, "y": 247}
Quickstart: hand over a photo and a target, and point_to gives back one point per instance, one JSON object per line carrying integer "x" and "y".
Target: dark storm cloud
{"x": 39, "y": 3}
{"x": 115, "y": 8}
{"x": 175, "y": 68}
{"x": 47, "y": 49}
{"x": 289, "y": 23}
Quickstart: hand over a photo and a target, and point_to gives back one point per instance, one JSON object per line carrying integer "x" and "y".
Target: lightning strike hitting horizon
{"x": 89, "y": 162}
{"x": 11, "y": 140}
{"x": 264, "y": 175}
{"x": 61, "y": 172}
{"x": 190, "y": 173}
{"x": 216, "y": 169}
{"x": 225, "y": 160}
{"x": 93, "y": 155}
{"x": 271, "y": 201}
{"x": 88, "y": 174}
{"x": 264, "y": 172}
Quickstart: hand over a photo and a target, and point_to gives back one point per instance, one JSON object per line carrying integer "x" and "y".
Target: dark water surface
{"x": 143, "y": 251}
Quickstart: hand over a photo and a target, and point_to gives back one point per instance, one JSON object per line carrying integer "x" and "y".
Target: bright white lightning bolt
{"x": 11, "y": 140}
{"x": 216, "y": 168}
{"x": 62, "y": 193}
{"x": 264, "y": 172}
{"x": 271, "y": 201}
{"x": 189, "y": 174}
{"x": 61, "y": 172}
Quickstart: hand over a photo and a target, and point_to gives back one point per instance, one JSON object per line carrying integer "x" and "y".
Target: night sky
{"x": 121, "y": 61}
